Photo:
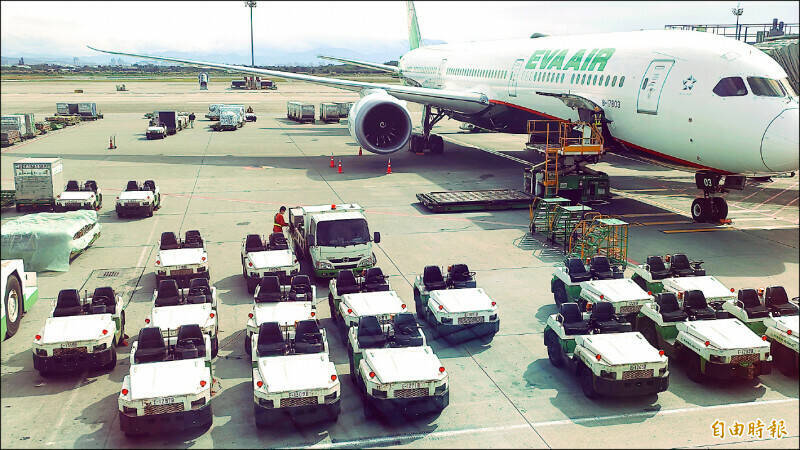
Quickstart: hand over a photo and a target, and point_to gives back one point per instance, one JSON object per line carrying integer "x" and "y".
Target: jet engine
{"x": 380, "y": 123}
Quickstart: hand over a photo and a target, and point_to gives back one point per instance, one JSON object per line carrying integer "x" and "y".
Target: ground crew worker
{"x": 279, "y": 221}
{"x": 597, "y": 117}
{"x": 191, "y": 120}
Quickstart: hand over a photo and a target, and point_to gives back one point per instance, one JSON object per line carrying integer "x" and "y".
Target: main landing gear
{"x": 420, "y": 142}
{"x": 710, "y": 208}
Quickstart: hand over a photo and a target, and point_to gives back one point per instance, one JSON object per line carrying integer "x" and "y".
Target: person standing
{"x": 279, "y": 222}
{"x": 191, "y": 120}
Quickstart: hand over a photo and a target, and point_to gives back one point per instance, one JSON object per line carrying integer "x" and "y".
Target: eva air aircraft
{"x": 694, "y": 101}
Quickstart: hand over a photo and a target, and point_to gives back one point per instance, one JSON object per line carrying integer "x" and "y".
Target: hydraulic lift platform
{"x": 482, "y": 200}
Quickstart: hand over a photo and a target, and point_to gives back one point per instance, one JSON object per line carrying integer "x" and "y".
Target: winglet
{"x": 414, "y": 36}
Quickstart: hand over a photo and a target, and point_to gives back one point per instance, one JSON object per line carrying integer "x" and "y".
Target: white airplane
{"x": 694, "y": 101}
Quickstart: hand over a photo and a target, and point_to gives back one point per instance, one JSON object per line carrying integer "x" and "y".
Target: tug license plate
{"x": 299, "y": 394}
{"x": 411, "y": 385}
{"x": 636, "y": 366}
{"x": 162, "y": 401}
{"x": 181, "y": 272}
{"x": 471, "y": 314}
{"x": 69, "y": 345}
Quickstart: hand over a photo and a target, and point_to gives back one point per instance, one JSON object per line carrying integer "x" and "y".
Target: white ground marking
{"x": 398, "y": 439}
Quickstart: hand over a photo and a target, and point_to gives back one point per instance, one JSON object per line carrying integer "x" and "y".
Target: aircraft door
{"x": 442, "y": 72}
{"x": 513, "y": 81}
{"x": 652, "y": 84}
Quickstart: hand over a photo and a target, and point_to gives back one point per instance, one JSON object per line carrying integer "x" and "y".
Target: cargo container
{"x": 169, "y": 119}
{"x": 231, "y": 117}
{"x": 329, "y": 112}
{"x": 213, "y": 111}
{"x": 238, "y": 84}
{"x": 268, "y": 84}
{"x": 88, "y": 109}
{"x": 13, "y": 123}
{"x": 37, "y": 181}
{"x": 62, "y": 109}
{"x": 344, "y": 108}
{"x": 300, "y": 112}
{"x": 29, "y": 124}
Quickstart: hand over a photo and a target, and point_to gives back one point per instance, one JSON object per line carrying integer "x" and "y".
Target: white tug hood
{"x": 271, "y": 259}
{"x": 77, "y": 328}
{"x": 724, "y": 334}
{"x": 168, "y": 378}
{"x": 392, "y": 365}
{"x": 180, "y": 256}
{"x": 296, "y": 372}
{"x": 620, "y": 348}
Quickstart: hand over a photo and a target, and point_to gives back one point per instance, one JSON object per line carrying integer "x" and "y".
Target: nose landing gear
{"x": 710, "y": 208}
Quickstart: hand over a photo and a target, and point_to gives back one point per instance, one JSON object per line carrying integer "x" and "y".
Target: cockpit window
{"x": 765, "y": 87}
{"x": 730, "y": 87}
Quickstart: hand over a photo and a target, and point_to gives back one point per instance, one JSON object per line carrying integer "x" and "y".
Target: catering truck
{"x": 37, "y": 182}
{"x": 19, "y": 294}
{"x": 334, "y": 237}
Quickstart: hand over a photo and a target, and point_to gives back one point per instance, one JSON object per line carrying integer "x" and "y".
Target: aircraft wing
{"x": 458, "y": 101}
{"x": 368, "y": 65}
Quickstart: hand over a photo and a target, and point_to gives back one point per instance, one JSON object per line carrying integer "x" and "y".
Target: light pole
{"x": 738, "y": 12}
{"x": 251, "y": 4}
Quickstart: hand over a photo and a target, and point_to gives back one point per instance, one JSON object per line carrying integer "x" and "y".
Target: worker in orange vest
{"x": 279, "y": 221}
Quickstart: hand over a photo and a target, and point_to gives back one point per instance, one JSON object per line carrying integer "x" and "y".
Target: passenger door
{"x": 652, "y": 84}
{"x": 514, "y": 80}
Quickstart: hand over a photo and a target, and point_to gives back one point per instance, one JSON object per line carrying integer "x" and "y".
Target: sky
{"x": 64, "y": 28}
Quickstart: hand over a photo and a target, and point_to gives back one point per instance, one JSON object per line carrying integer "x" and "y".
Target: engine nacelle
{"x": 380, "y": 123}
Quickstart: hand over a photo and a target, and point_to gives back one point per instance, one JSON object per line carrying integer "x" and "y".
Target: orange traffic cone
{"x": 340, "y": 166}
{"x": 359, "y": 151}
{"x": 389, "y": 167}
{"x": 332, "y": 164}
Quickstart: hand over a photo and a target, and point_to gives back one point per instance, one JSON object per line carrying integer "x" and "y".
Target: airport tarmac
{"x": 503, "y": 394}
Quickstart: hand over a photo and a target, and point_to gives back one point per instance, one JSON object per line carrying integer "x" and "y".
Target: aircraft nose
{"x": 780, "y": 149}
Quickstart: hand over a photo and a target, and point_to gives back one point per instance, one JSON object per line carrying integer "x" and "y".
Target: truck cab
{"x": 334, "y": 237}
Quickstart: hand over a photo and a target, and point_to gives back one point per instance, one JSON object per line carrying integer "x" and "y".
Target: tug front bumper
{"x": 727, "y": 371}
{"x": 73, "y": 361}
{"x": 133, "y": 210}
{"x": 631, "y": 388}
{"x": 455, "y": 334}
{"x": 160, "y": 423}
{"x": 331, "y": 273}
{"x": 298, "y": 414}
{"x": 73, "y": 206}
{"x": 409, "y": 407}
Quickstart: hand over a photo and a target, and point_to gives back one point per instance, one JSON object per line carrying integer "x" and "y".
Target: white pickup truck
{"x": 135, "y": 200}
{"x": 293, "y": 375}
{"x": 77, "y": 197}
{"x": 80, "y": 333}
{"x": 267, "y": 257}
{"x": 169, "y": 386}
{"x": 182, "y": 260}
{"x": 334, "y": 237}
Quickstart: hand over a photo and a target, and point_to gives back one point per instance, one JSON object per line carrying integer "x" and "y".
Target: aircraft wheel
{"x": 701, "y": 210}
{"x": 720, "y": 208}
{"x": 436, "y": 143}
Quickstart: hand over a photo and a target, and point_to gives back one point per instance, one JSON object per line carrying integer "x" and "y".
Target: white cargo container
{"x": 213, "y": 111}
{"x": 37, "y": 181}
{"x": 300, "y": 112}
{"x": 329, "y": 112}
{"x": 62, "y": 109}
{"x": 13, "y": 123}
{"x": 344, "y": 108}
